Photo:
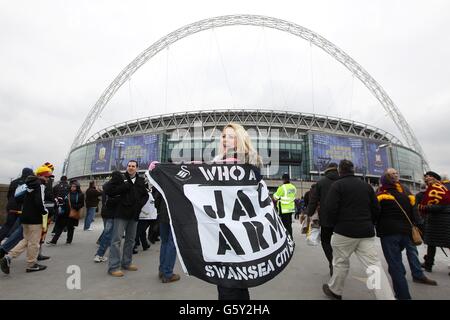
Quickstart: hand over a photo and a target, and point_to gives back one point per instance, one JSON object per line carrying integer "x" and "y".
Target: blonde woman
{"x": 236, "y": 145}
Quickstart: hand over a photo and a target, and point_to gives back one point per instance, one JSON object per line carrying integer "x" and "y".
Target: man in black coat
{"x": 317, "y": 198}
{"x": 13, "y": 205}
{"x": 133, "y": 196}
{"x": 352, "y": 209}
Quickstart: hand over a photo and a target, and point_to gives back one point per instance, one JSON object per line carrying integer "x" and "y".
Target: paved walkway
{"x": 302, "y": 278}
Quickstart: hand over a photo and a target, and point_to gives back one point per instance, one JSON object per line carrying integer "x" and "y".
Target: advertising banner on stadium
{"x": 224, "y": 224}
{"x": 329, "y": 148}
{"x": 377, "y": 158}
{"x": 102, "y": 156}
{"x": 144, "y": 149}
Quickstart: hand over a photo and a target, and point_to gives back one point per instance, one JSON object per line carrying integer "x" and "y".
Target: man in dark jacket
{"x": 133, "y": 197}
{"x": 14, "y": 205}
{"x": 31, "y": 219}
{"x": 352, "y": 210}
{"x": 92, "y": 200}
{"x": 317, "y": 198}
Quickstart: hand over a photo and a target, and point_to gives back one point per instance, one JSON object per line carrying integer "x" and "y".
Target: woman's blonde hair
{"x": 244, "y": 148}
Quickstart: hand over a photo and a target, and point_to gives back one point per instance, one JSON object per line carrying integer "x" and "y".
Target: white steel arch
{"x": 253, "y": 20}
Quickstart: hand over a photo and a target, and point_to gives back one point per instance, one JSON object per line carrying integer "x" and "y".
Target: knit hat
{"x": 44, "y": 171}
{"x": 433, "y": 174}
{"x": 27, "y": 172}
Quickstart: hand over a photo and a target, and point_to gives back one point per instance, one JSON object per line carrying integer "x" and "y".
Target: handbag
{"x": 416, "y": 234}
{"x": 73, "y": 213}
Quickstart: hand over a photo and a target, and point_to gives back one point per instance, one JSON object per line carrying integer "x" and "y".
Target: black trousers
{"x": 141, "y": 236}
{"x": 286, "y": 218}
{"x": 325, "y": 239}
{"x": 429, "y": 257}
{"x": 64, "y": 222}
{"x": 233, "y": 293}
{"x": 153, "y": 231}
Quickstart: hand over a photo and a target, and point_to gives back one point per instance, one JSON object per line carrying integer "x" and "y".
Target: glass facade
{"x": 303, "y": 157}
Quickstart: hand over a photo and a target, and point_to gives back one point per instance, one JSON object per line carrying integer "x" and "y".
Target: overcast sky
{"x": 57, "y": 57}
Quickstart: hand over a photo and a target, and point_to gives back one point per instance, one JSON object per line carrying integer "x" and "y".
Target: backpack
{"x": 20, "y": 192}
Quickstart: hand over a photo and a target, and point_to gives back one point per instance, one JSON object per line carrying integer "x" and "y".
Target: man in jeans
{"x": 133, "y": 196}
{"x": 352, "y": 208}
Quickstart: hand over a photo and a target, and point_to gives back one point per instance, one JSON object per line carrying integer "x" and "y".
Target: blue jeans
{"x": 413, "y": 259}
{"x": 121, "y": 226}
{"x": 393, "y": 246}
{"x": 90, "y": 214}
{"x": 13, "y": 239}
{"x": 106, "y": 237}
{"x": 168, "y": 252}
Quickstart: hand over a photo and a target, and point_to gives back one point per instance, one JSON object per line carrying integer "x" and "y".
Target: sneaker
{"x": 116, "y": 273}
{"x": 135, "y": 251}
{"x": 50, "y": 244}
{"x": 5, "y": 262}
{"x": 330, "y": 294}
{"x": 42, "y": 257}
{"x": 131, "y": 267}
{"x": 173, "y": 278}
{"x": 425, "y": 280}
{"x": 98, "y": 258}
{"x": 90, "y": 229}
{"x": 36, "y": 267}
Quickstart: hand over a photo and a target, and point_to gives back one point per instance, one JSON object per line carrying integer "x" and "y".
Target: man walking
{"x": 352, "y": 209}
{"x": 317, "y": 198}
{"x": 133, "y": 197}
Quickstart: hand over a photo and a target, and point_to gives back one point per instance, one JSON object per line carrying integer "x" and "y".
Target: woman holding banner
{"x": 236, "y": 146}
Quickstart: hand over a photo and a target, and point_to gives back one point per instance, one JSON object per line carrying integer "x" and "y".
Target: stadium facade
{"x": 298, "y": 143}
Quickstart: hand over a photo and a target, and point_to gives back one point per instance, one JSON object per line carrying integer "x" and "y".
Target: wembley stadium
{"x": 296, "y": 143}
{"x": 301, "y": 144}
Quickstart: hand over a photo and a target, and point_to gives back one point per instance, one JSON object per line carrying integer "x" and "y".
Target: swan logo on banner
{"x": 183, "y": 174}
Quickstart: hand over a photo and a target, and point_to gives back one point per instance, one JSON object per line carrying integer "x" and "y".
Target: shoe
{"x": 98, "y": 258}
{"x": 426, "y": 267}
{"x": 131, "y": 267}
{"x": 158, "y": 239}
{"x": 36, "y": 267}
{"x": 50, "y": 243}
{"x": 173, "y": 278}
{"x": 145, "y": 247}
{"x": 135, "y": 251}
{"x": 160, "y": 274}
{"x": 68, "y": 243}
{"x": 425, "y": 280}
{"x": 330, "y": 294}
{"x": 116, "y": 273}
{"x": 5, "y": 262}
{"x": 42, "y": 257}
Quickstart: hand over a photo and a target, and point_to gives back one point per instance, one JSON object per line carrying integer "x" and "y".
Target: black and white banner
{"x": 224, "y": 224}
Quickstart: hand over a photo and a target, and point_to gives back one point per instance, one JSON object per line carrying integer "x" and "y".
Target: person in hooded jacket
{"x": 74, "y": 200}
{"x": 317, "y": 198}
{"x": 32, "y": 222}
{"x": 111, "y": 197}
{"x": 13, "y": 205}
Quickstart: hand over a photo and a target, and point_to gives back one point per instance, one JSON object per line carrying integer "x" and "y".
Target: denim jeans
{"x": 90, "y": 214}
{"x": 168, "y": 252}
{"x": 106, "y": 237}
{"x": 393, "y": 246}
{"x": 413, "y": 259}
{"x": 121, "y": 226}
{"x": 13, "y": 239}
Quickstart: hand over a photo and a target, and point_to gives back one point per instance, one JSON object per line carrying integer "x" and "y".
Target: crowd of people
{"x": 349, "y": 212}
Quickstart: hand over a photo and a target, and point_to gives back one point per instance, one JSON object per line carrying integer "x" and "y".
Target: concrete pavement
{"x": 302, "y": 278}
